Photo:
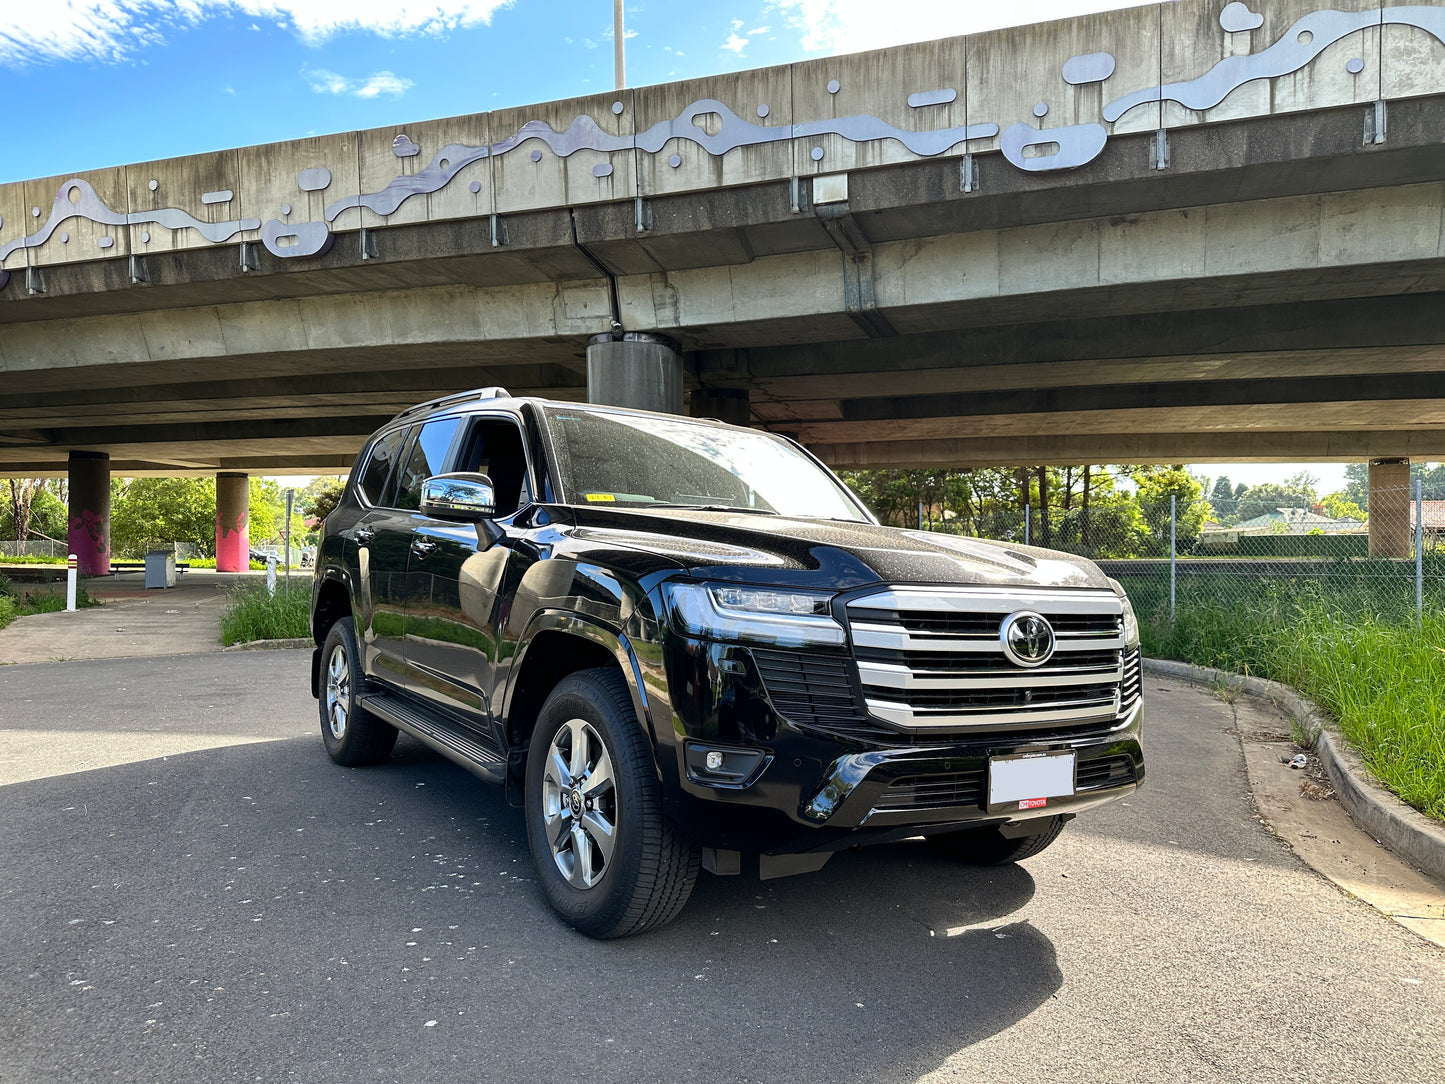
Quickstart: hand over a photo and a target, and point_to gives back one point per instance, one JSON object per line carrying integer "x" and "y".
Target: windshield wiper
{"x": 718, "y": 508}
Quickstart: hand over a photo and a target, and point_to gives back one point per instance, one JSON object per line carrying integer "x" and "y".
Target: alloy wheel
{"x": 338, "y": 692}
{"x": 579, "y": 804}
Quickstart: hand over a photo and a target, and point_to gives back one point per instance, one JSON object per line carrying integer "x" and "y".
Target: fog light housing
{"x": 723, "y": 766}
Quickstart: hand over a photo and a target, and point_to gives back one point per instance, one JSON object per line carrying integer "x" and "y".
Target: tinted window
{"x": 371, "y": 482}
{"x": 427, "y": 456}
{"x": 616, "y": 458}
{"x": 494, "y": 448}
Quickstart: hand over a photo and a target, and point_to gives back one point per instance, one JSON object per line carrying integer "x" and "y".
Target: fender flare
{"x": 613, "y": 640}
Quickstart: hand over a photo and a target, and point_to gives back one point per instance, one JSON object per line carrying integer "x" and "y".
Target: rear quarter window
{"x": 371, "y": 482}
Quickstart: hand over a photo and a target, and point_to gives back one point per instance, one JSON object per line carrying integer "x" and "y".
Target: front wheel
{"x": 353, "y": 736}
{"x": 609, "y": 861}
{"x": 990, "y": 847}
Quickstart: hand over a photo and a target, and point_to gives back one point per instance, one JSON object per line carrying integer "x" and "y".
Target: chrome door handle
{"x": 421, "y": 547}
{"x": 364, "y": 535}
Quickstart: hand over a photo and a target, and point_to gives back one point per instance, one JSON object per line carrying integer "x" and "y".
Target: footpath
{"x": 132, "y": 621}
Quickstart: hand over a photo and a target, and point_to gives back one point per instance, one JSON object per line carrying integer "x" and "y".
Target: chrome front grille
{"x": 932, "y": 659}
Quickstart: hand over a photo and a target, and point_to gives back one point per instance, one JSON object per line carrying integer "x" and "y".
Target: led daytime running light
{"x": 768, "y": 601}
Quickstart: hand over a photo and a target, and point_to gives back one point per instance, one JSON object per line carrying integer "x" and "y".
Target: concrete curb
{"x": 271, "y": 645}
{"x": 1404, "y": 830}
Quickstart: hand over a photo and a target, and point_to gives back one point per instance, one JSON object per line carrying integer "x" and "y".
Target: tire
{"x": 353, "y": 736}
{"x": 990, "y": 847}
{"x": 609, "y": 861}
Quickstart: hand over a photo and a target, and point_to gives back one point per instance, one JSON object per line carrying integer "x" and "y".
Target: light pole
{"x": 618, "y": 48}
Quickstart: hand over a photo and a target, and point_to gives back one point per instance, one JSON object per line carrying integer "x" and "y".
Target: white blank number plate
{"x": 1013, "y": 779}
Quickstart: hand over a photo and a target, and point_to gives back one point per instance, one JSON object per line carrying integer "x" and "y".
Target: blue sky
{"x": 95, "y": 83}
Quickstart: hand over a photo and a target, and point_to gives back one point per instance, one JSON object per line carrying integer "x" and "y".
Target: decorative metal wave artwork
{"x": 716, "y": 130}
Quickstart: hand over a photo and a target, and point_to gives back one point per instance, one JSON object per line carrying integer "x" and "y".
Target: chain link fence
{"x": 1176, "y": 558}
{"x": 34, "y": 547}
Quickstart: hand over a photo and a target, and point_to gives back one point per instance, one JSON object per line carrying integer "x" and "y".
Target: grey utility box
{"x": 161, "y": 568}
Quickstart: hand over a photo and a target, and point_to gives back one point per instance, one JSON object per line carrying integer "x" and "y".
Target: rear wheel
{"x": 990, "y": 847}
{"x": 609, "y": 861}
{"x": 353, "y": 736}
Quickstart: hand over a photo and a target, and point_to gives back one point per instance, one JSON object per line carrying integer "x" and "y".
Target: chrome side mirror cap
{"x": 469, "y": 498}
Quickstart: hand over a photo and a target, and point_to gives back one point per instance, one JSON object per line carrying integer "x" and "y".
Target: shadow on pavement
{"x": 257, "y": 911}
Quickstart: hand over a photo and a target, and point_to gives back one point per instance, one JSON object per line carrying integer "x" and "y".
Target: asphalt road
{"x": 203, "y": 896}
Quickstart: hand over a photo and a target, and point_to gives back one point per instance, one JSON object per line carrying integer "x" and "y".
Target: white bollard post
{"x": 271, "y": 575}
{"x": 72, "y": 574}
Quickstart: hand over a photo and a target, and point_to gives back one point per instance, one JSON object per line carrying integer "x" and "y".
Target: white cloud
{"x": 384, "y": 83}
{"x": 846, "y": 26}
{"x": 328, "y": 82}
{"x": 110, "y": 30}
{"x": 737, "y": 42}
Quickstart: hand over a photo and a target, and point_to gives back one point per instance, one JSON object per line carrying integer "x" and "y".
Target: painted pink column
{"x": 233, "y": 526}
{"x": 89, "y": 533}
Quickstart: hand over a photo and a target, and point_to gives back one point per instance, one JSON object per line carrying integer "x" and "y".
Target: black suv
{"x": 683, "y": 644}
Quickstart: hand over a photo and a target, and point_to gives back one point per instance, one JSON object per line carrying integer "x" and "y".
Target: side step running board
{"x": 453, "y": 744}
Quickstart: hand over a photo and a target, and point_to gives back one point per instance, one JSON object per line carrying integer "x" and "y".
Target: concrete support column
{"x": 233, "y": 522}
{"x": 89, "y": 531}
{"x": 635, "y": 369}
{"x": 1390, "y": 534}
{"x": 725, "y": 404}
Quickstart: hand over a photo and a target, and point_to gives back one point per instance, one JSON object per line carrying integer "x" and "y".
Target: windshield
{"x": 614, "y": 458}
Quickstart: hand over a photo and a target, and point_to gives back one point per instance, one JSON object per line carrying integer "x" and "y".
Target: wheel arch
{"x": 331, "y": 604}
{"x": 555, "y": 645}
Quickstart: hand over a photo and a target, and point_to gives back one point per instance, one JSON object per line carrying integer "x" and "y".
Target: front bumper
{"x": 819, "y": 790}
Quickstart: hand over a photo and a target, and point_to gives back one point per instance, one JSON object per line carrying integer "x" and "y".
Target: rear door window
{"x": 426, "y": 456}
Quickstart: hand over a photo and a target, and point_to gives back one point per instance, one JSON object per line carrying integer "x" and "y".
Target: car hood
{"x": 831, "y": 554}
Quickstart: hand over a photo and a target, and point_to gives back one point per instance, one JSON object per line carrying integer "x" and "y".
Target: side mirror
{"x": 468, "y": 498}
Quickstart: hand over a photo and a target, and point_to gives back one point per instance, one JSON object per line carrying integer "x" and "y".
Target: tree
{"x": 21, "y": 493}
{"x": 1338, "y": 506}
{"x": 1154, "y": 488}
{"x": 1263, "y": 499}
{"x": 266, "y": 510}
{"x": 151, "y": 512}
{"x": 1302, "y": 487}
{"x": 1221, "y": 499}
{"x": 319, "y": 499}
{"x": 1432, "y": 483}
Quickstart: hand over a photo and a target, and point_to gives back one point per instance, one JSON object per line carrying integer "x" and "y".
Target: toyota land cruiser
{"x": 682, "y": 644}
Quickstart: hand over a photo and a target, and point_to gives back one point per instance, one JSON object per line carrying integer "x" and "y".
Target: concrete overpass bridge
{"x": 1184, "y": 231}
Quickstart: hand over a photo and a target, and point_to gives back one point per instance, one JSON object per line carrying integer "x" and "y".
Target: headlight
{"x": 1131, "y": 622}
{"x": 767, "y": 615}
{"x": 1131, "y": 625}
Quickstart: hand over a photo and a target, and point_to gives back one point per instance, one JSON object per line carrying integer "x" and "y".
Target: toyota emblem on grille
{"x": 1027, "y": 638}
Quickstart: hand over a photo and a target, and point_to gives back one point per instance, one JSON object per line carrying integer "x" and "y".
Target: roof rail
{"x": 451, "y": 400}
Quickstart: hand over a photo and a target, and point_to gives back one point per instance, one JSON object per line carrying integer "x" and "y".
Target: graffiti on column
{"x": 715, "y": 129}
{"x": 90, "y": 527}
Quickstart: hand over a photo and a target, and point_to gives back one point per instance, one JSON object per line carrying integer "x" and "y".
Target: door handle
{"x": 421, "y": 547}
{"x": 364, "y": 534}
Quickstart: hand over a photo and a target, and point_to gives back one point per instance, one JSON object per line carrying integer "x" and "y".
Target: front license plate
{"x": 1030, "y": 779}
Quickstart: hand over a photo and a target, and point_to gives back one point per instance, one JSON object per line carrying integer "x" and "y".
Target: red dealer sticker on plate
{"x": 1033, "y": 803}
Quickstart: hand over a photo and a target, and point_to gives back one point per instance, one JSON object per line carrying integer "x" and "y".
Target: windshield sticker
{"x": 605, "y": 497}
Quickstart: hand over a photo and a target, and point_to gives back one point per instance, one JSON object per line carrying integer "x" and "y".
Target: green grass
{"x": 253, "y": 614}
{"x": 210, "y": 562}
{"x": 1351, "y": 642}
{"x": 33, "y": 560}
